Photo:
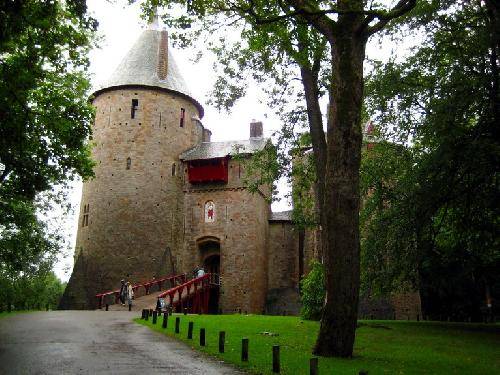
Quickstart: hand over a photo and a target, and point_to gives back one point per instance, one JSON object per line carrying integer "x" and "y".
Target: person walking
{"x": 123, "y": 292}
{"x": 129, "y": 293}
{"x": 201, "y": 272}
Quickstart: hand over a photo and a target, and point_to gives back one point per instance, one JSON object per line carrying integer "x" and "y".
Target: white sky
{"x": 120, "y": 25}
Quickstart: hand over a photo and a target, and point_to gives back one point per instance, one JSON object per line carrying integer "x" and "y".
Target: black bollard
{"x": 47, "y": 307}
{"x": 177, "y": 324}
{"x": 276, "y": 358}
{"x": 313, "y": 366}
{"x": 155, "y": 316}
{"x": 244, "y": 350}
{"x": 165, "y": 320}
{"x": 146, "y": 315}
{"x": 190, "y": 330}
{"x": 202, "y": 337}
{"x": 363, "y": 372}
{"x": 222, "y": 339}
{"x": 107, "y": 307}
{"x": 185, "y": 311}
{"x": 418, "y": 317}
{"x": 150, "y": 312}
{"x": 130, "y": 307}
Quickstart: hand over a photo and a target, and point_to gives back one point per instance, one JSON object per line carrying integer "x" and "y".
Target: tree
{"x": 45, "y": 116}
{"x": 30, "y": 291}
{"x": 344, "y": 27}
{"x": 436, "y": 218}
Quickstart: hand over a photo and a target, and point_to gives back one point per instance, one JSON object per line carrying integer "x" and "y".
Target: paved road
{"x": 94, "y": 342}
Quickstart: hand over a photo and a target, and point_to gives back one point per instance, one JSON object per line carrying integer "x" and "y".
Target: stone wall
{"x": 283, "y": 256}
{"x": 135, "y": 200}
{"x": 399, "y": 306}
{"x": 241, "y": 228}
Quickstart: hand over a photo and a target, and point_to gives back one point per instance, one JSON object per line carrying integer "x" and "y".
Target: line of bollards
{"x": 164, "y": 324}
{"x": 276, "y": 364}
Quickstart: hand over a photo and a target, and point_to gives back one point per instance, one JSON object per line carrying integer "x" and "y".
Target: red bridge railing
{"x": 193, "y": 294}
{"x": 173, "y": 280}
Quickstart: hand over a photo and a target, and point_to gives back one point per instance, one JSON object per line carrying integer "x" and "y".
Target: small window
{"x": 173, "y": 169}
{"x": 134, "y": 108}
{"x": 183, "y": 115}
{"x": 129, "y": 163}
{"x": 85, "y": 221}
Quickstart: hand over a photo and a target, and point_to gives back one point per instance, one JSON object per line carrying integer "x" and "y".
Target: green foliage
{"x": 431, "y": 218}
{"x": 389, "y": 255}
{"x": 261, "y": 170}
{"x": 303, "y": 178}
{"x": 313, "y": 292}
{"x": 45, "y": 119}
{"x": 33, "y": 291}
{"x": 408, "y": 347}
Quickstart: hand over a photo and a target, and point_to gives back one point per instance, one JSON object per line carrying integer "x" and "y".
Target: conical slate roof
{"x": 150, "y": 63}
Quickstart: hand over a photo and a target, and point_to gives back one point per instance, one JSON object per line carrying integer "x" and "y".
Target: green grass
{"x": 382, "y": 347}
{"x": 5, "y": 314}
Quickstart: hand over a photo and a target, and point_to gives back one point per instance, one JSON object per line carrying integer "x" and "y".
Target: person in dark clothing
{"x": 123, "y": 292}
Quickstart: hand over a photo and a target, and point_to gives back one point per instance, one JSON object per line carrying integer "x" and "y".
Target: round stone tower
{"x": 131, "y": 213}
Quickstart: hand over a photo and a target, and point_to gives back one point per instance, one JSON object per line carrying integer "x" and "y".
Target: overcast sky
{"x": 119, "y": 26}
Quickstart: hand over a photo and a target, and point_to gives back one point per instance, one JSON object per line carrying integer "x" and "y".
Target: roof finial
{"x": 154, "y": 22}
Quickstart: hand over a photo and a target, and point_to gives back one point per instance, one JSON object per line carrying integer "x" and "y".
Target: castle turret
{"x": 131, "y": 213}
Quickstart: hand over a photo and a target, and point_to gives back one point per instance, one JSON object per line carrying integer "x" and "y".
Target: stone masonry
{"x": 165, "y": 199}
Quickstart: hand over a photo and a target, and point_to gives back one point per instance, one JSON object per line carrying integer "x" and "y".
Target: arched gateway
{"x": 209, "y": 255}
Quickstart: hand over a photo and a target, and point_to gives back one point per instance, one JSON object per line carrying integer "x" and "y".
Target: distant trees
{"x": 45, "y": 121}
{"x": 431, "y": 218}
{"x": 30, "y": 291}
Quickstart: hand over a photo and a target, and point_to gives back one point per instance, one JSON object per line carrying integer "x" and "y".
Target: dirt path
{"x": 94, "y": 342}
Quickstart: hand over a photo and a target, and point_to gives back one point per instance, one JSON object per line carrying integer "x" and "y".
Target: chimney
{"x": 256, "y": 129}
{"x": 207, "y": 134}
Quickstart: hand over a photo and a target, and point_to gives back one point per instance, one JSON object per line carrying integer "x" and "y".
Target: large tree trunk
{"x": 342, "y": 257}
{"x": 310, "y": 82}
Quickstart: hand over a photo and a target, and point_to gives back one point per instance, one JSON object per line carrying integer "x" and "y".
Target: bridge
{"x": 176, "y": 293}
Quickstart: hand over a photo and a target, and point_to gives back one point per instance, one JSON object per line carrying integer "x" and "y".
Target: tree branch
{"x": 402, "y": 7}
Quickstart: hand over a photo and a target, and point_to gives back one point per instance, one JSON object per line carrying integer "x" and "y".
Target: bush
{"x": 313, "y": 292}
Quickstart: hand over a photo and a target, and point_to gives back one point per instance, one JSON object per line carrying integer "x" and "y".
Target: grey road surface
{"x": 94, "y": 342}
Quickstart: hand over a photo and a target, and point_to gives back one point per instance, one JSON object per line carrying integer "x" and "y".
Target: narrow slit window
{"x": 183, "y": 115}
{"x": 173, "y": 169}
{"x": 134, "y": 108}
{"x": 85, "y": 221}
{"x": 129, "y": 163}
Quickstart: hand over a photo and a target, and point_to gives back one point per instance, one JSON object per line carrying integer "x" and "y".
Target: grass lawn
{"x": 5, "y": 314}
{"x": 382, "y": 347}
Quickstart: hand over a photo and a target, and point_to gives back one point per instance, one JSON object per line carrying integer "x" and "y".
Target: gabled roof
{"x": 150, "y": 63}
{"x": 281, "y": 216}
{"x": 211, "y": 150}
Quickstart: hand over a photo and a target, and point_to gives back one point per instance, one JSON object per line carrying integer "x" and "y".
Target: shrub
{"x": 313, "y": 292}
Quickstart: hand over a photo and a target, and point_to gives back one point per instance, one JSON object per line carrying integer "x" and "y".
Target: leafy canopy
{"x": 45, "y": 116}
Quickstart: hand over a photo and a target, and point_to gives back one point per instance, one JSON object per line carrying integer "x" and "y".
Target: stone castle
{"x": 165, "y": 199}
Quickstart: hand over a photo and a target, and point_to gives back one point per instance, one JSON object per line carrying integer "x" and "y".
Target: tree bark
{"x": 310, "y": 82}
{"x": 341, "y": 200}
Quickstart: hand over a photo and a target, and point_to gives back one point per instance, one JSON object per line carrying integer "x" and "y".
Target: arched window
{"x": 129, "y": 163}
{"x": 209, "y": 212}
